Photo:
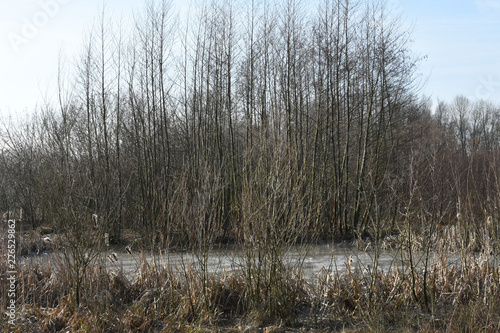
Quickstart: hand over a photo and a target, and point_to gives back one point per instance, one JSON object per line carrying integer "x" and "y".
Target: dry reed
{"x": 167, "y": 298}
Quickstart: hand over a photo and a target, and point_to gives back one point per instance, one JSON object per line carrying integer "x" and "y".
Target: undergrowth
{"x": 164, "y": 298}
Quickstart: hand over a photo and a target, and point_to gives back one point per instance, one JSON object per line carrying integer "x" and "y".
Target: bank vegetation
{"x": 261, "y": 125}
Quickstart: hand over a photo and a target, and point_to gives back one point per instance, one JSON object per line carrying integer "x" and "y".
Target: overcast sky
{"x": 461, "y": 39}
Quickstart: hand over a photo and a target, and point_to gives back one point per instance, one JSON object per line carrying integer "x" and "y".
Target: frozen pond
{"x": 312, "y": 259}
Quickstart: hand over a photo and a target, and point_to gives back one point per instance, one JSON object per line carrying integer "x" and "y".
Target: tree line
{"x": 257, "y": 123}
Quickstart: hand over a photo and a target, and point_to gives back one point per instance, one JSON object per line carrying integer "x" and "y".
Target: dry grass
{"x": 172, "y": 299}
{"x": 458, "y": 296}
{"x": 36, "y": 242}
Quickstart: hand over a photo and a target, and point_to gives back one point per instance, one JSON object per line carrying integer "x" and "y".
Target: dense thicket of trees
{"x": 269, "y": 122}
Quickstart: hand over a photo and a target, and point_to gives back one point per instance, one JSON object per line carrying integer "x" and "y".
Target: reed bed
{"x": 179, "y": 298}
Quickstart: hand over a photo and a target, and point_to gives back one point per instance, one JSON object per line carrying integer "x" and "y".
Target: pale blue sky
{"x": 461, "y": 39}
{"x": 29, "y": 65}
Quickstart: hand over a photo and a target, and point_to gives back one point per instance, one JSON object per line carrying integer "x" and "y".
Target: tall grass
{"x": 431, "y": 294}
